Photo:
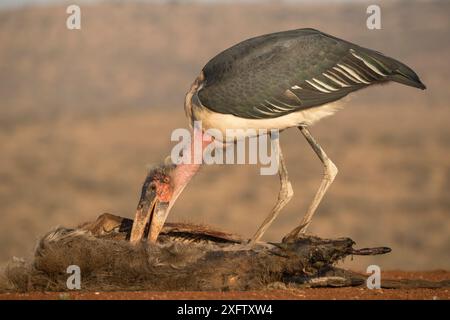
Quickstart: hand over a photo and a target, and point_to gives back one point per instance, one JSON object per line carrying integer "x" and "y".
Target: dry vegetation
{"x": 83, "y": 114}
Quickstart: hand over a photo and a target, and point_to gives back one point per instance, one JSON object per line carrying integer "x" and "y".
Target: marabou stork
{"x": 275, "y": 81}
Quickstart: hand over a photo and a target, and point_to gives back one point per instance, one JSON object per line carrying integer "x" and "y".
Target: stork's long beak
{"x": 152, "y": 211}
{"x": 157, "y": 219}
{"x": 143, "y": 215}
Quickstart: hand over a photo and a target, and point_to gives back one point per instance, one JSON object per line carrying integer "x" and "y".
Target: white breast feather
{"x": 214, "y": 120}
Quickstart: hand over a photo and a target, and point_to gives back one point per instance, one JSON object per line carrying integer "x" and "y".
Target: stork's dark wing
{"x": 276, "y": 74}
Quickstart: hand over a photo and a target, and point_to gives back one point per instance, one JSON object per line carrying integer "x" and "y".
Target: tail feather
{"x": 396, "y": 70}
{"x": 407, "y": 76}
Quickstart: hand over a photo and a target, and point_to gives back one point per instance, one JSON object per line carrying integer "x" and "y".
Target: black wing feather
{"x": 276, "y": 74}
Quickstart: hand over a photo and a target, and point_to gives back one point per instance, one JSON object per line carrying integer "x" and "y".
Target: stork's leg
{"x": 330, "y": 171}
{"x": 284, "y": 195}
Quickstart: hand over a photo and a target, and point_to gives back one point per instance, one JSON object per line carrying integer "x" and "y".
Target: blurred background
{"x": 85, "y": 113}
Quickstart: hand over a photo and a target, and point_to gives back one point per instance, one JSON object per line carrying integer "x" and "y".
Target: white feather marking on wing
{"x": 353, "y": 72}
{"x": 343, "y": 85}
{"x": 339, "y": 77}
{"x": 286, "y": 104}
{"x": 277, "y": 107}
{"x": 345, "y": 74}
{"x": 317, "y": 87}
{"x": 371, "y": 66}
{"x": 290, "y": 94}
{"x": 323, "y": 84}
{"x": 264, "y": 112}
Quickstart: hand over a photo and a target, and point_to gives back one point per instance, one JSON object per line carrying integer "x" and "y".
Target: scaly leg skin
{"x": 330, "y": 172}
{"x": 284, "y": 195}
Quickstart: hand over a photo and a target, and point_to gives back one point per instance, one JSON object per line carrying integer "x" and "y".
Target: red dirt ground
{"x": 300, "y": 294}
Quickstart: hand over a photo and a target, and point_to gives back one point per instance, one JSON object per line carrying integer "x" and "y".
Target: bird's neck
{"x": 184, "y": 172}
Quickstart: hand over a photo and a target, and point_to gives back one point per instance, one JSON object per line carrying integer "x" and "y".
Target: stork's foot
{"x": 295, "y": 234}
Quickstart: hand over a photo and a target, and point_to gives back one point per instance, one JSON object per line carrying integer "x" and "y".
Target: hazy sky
{"x": 18, "y": 3}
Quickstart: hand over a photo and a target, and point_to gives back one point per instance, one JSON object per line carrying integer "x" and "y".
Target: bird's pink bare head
{"x": 163, "y": 185}
{"x": 161, "y": 180}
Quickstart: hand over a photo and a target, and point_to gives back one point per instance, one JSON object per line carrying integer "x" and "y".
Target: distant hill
{"x": 134, "y": 56}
